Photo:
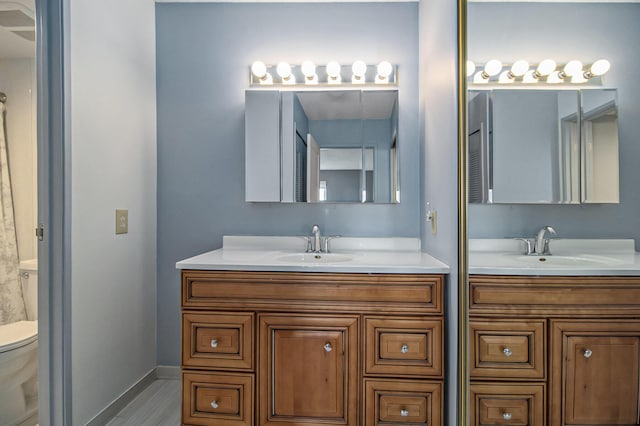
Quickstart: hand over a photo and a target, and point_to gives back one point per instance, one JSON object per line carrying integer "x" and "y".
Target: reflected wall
{"x": 535, "y": 31}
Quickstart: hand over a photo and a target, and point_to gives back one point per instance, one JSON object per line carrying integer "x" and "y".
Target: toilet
{"x": 19, "y": 355}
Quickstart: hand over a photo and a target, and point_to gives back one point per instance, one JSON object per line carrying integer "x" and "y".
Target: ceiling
{"x": 347, "y": 104}
{"x": 17, "y": 29}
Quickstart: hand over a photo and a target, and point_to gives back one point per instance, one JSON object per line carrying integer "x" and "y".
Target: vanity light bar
{"x": 333, "y": 73}
{"x": 546, "y": 71}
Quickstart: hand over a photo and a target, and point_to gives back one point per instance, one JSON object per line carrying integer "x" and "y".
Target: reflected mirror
{"x": 543, "y": 146}
{"x": 331, "y": 146}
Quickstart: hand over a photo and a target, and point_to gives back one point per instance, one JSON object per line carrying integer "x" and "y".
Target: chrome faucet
{"x": 315, "y": 233}
{"x": 542, "y": 244}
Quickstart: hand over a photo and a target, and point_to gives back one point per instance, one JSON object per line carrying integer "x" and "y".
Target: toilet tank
{"x": 29, "y": 278}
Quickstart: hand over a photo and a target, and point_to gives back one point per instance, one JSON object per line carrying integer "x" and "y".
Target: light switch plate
{"x": 122, "y": 221}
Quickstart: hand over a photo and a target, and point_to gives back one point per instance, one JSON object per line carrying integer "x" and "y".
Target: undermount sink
{"x": 564, "y": 260}
{"x": 315, "y": 258}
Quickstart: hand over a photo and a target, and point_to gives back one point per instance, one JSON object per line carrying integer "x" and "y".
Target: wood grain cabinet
{"x": 266, "y": 348}
{"x": 554, "y": 350}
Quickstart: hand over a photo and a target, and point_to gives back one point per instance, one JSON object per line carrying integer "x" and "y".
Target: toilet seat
{"x": 17, "y": 334}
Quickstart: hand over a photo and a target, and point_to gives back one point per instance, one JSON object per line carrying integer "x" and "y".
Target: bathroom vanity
{"x": 272, "y": 335}
{"x": 557, "y": 344}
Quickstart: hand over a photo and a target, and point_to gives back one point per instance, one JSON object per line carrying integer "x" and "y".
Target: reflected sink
{"x": 562, "y": 260}
{"x": 315, "y": 258}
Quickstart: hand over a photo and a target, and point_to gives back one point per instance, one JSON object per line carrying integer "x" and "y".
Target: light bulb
{"x": 471, "y": 68}
{"x": 530, "y": 77}
{"x": 578, "y": 79}
{"x": 493, "y": 67}
{"x": 259, "y": 69}
{"x": 333, "y": 69}
{"x": 600, "y": 67}
{"x": 384, "y": 69}
{"x": 519, "y": 68}
{"x": 284, "y": 70}
{"x": 506, "y": 77}
{"x": 554, "y": 78}
{"x": 308, "y": 69}
{"x": 359, "y": 69}
{"x": 545, "y": 67}
{"x": 573, "y": 68}
{"x": 479, "y": 78}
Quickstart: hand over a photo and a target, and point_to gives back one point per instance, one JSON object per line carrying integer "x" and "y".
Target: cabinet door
{"x": 599, "y": 363}
{"x": 308, "y": 369}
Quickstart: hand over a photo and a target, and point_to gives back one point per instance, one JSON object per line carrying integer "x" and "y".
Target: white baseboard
{"x": 169, "y": 372}
{"x": 123, "y": 400}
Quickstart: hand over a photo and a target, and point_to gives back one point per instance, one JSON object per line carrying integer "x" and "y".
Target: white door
{"x": 313, "y": 170}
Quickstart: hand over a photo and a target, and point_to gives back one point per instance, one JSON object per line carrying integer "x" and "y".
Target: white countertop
{"x": 570, "y": 257}
{"x": 348, "y": 254}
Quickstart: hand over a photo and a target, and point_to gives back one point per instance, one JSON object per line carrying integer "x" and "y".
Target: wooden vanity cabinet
{"x": 574, "y": 340}
{"x": 308, "y": 349}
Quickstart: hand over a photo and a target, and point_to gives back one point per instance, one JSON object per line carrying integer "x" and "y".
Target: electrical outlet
{"x": 122, "y": 221}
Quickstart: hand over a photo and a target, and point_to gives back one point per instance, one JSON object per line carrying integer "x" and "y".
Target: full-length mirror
{"x": 543, "y": 146}
{"x": 327, "y": 146}
{"x": 553, "y": 224}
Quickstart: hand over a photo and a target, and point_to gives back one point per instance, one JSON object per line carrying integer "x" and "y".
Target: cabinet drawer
{"x": 507, "y": 404}
{"x": 403, "y": 346}
{"x": 308, "y": 291}
{"x": 507, "y": 349}
{"x": 392, "y": 402}
{"x": 224, "y": 399}
{"x": 217, "y": 340}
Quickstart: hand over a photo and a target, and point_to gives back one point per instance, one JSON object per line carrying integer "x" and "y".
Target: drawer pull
{"x": 587, "y": 353}
{"x": 506, "y": 415}
{"x": 215, "y": 404}
{"x": 328, "y": 347}
{"x": 214, "y": 343}
{"x": 404, "y": 413}
{"x": 404, "y": 349}
{"x": 507, "y": 352}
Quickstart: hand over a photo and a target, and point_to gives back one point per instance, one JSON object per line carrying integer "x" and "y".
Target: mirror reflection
{"x": 335, "y": 145}
{"x": 543, "y": 146}
{"x": 348, "y": 153}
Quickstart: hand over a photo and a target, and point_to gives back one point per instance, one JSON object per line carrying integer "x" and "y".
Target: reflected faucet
{"x": 542, "y": 244}
{"x": 315, "y": 233}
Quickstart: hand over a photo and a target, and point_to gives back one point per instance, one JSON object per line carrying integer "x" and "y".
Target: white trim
{"x": 168, "y": 372}
{"x": 111, "y": 410}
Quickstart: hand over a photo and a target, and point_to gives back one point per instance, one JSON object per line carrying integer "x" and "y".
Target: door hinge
{"x": 40, "y": 232}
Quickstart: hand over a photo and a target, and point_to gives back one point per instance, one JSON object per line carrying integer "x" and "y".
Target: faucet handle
{"x": 528, "y": 245}
{"x": 325, "y": 242}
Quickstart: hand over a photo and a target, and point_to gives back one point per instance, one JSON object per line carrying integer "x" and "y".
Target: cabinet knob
{"x": 507, "y": 352}
{"x": 215, "y": 404}
{"x": 404, "y": 413}
{"x": 328, "y": 347}
{"x": 214, "y": 343}
{"x": 404, "y": 349}
{"x": 506, "y": 415}
{"x": 587, "y": 353}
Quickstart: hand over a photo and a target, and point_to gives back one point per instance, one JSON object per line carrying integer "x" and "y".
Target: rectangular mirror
{"x": 543, "y": 146}
{"x": 329, "y": 146}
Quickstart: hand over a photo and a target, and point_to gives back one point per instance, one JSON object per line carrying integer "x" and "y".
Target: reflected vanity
{"x": 322, "y": 146}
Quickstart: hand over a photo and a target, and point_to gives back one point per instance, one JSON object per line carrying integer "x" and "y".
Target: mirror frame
{"x": 463, "y": 210}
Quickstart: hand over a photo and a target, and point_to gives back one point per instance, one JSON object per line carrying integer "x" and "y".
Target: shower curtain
{"x": 11, "y": 302}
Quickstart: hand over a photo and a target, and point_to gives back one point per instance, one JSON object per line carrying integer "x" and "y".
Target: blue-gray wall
{"x": 563, "y": 32}
{"x": 203, "y": 57}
